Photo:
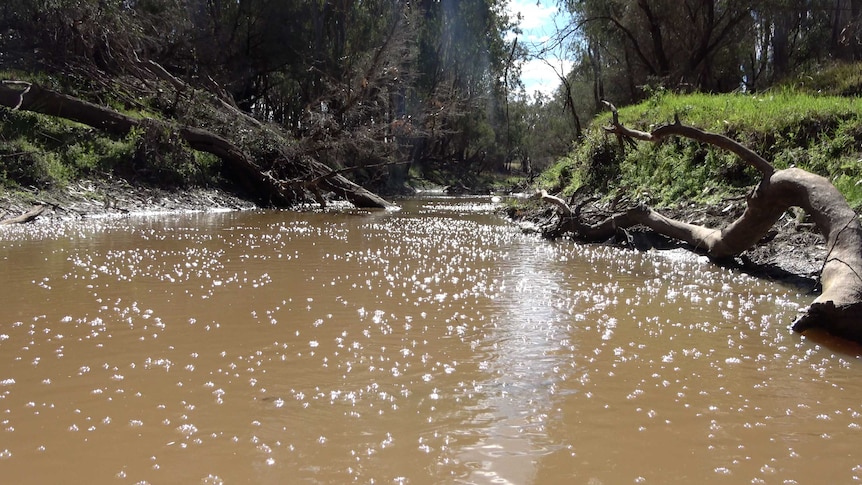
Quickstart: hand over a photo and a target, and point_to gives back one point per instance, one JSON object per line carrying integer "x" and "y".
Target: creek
{"x": 435, "y": 344}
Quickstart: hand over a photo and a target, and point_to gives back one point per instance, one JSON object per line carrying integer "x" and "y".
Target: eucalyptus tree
{"x": 709, "y": 45}
{"x": 55, "y": 35}
{"x": 237, "y": 70}
{"x": 355, "y": 83}
{"x": 790, "y": 35}
{"x": 690, "y": 44}
{"x": 464, "y": 73}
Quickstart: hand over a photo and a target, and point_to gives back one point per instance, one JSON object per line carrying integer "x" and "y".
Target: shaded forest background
{"x": 385, "y": 90}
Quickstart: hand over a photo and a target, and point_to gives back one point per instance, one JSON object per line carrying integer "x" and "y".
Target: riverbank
{"x": 115, "y": 197}
{"x": 792, "y": 253}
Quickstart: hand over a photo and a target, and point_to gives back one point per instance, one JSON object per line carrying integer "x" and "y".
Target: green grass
{"x": 44, "y": 152}
{"x": 822, "y": 134}
{"x": 836, "y": 80}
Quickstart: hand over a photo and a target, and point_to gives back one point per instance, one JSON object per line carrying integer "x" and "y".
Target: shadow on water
{"x": 838, "y": 345}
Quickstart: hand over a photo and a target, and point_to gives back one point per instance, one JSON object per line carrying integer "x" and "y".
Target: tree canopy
{"x": 625, "y": 48}
{"x": 433, "y": 84}
{"x": 357, "y": 83}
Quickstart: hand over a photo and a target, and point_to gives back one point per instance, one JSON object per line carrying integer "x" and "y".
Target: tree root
{"x": 838, "y": 309}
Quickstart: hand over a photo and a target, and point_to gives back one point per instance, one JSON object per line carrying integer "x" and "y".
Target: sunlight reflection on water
{"x": 433, "y": 344}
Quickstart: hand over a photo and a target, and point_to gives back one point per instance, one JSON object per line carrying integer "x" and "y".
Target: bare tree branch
{"x": 837, "y": 309}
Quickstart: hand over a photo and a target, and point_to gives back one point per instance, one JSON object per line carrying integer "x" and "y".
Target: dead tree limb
{"x": 26, "y": 217}
{"x": 747, "y": 155}
{"x": 45, "y": 101}
{"x": 838, "y": 309}
{"x": 557, "y": 202}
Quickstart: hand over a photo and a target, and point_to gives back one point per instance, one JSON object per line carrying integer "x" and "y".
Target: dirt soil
{"x": 114, "y": 197}
{"x": 792, "y": 253}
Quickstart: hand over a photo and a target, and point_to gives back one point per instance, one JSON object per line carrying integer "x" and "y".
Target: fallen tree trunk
{"x": 32, "y": 97}
{"x": 838, "y": 309}
{"x": 26, "y": 217}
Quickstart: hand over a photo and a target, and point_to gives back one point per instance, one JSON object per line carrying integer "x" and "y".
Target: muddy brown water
{"x": 436, "y": 344}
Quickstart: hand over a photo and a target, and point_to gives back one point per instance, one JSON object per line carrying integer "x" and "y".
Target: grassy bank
{"x": 45, "y": 152}
{"x": 789, "y": 127}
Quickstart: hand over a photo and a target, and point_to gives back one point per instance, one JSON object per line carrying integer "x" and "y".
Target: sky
{"x": 537, "y": 24}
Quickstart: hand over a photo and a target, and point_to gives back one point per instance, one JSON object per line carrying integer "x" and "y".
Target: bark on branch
{"x": 838, "y": 309}
{"x": 26, "y": 217}
{"x": 45, "y": 101}
{"x": 678, "y": 129}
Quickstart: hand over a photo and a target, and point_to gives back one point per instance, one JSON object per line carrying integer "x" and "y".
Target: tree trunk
{"x": 280, "y": 192}
{"x": 838, "y": 309}
{"x": 656, "y": 38}
{"x": 26, "y": 217}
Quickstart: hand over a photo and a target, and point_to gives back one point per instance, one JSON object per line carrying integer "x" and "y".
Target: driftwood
{"x": 838, "y": 308}
{"x": 32, "y": 97}
{"x": 26, "y": 217}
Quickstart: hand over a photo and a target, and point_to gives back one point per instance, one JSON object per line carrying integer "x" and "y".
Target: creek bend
{"x": 436, "y": 344}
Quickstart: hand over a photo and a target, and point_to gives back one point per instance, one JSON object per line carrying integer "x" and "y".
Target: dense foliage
{"x": 396, "y": 89}
{"x": 358, "y": 83}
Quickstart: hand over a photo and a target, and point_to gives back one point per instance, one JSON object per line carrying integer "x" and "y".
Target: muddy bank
{"x": 792, "y": 253}
{"x": 114, "y": 197}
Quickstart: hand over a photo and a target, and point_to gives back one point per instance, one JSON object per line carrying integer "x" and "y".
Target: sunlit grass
{"x": 838, "y": 79}
{"x": 780, "y": 111}
{"x": 819, "y": 133}
{"x": 43, "y": 151}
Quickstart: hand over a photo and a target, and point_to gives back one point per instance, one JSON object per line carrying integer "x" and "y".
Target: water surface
{"x": 436, "y": 344}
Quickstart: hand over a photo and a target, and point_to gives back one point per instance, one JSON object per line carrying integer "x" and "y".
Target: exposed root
{"x": 838, "y": 309}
